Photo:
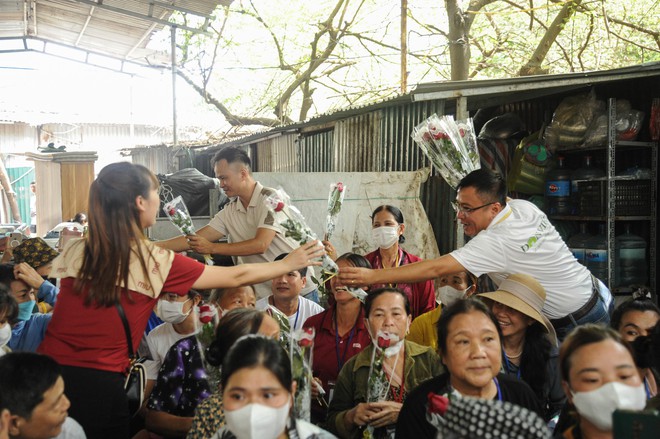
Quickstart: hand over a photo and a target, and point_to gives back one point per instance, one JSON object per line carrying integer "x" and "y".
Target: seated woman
{"x": 470, "y": 347}
{"x": 634, "y": 318}
{"x": 599, "y": 376}
{"x": 258, "y": 393}
{"x": 183, "y": 381}
{"x": 387, "y": 232}
{"x": 452, "y": 288}
{"x": 340, "y": 334}
{"x": 529, "y": 343}
{"x": 226, "y": 299}
{"x": 34, "y": 262}
{"x": 8, "y": 316}
{"x": 209, "y": 415}
{"x": 350, "y": 411}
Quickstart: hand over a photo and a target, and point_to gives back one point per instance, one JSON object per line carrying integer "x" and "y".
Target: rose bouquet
{"x": 335, "y": 201}
{"x": 177, "y": 212}
{"x": 300, "y": 354}
{"x": 294, "y": 225}
{"x": 205, "y": 334}
{"x": 450, "y": 145}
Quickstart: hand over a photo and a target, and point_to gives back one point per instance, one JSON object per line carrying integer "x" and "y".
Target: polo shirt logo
{"x": 537, "y": 235}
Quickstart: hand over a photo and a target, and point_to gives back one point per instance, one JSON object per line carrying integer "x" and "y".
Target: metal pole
{"x": 173, "y": 50}
{"x": 404, "y": 46}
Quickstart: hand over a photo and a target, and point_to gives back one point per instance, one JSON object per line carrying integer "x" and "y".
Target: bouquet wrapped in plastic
{"x": 450, "y": 145}
{"x": 335, "y": 201}
{"x": 205, "y": 334}
{"x": 292, "y": 221}
{"x": 177, "y": 212}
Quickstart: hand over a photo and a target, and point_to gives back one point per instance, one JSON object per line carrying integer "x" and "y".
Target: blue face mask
{"x": 25, "y": 310}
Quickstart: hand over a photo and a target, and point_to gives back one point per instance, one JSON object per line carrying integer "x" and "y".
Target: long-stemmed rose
{"x": 294, "y": 225}
{"x": 300, "y": 354}
{"x": 335, "y": 201}
{"x": 177, "y": 212}
{"x": 205, "y": 326}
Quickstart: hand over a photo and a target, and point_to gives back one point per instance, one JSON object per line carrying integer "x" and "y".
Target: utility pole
{"x": 404, "y": 46}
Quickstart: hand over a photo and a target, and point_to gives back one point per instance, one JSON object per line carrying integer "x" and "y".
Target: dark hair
{"x": 635, "y": 304}
{"x": 302, "y": 271}
{"x": 373, "y": 295}
{"x": 232, "y": 326}
{"x": 253, "y": 351}
{"x": 24, "y": 378}
{"x": 646, "y": 349}
{"x": 462, "y": 306}
{"x": 8, "y": 305}
{"x": 7, "y": 273}
{"x": 396, "y": 213}
{"x": 79, "y": 217}
{"x": 584, "y": 335}
{"x": 355, "y": 260}
{"x": 114, "y": 214}
{"x": 536, "y": 354}
{"x": 488, "y": 184}
{"x": 232, "y": 155}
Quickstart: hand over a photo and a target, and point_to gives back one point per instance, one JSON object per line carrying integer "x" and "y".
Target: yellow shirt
{"x": 423, "y": 329}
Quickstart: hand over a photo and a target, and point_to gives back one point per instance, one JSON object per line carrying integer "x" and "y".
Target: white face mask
{"x": 5, "y": 334}
{"x": 257, "y": 421}
{"x": 448, "y": 295}
{"x": 171, "y": 312}
{"x": 385, "y": 237}
{"x": 597, "y": 406}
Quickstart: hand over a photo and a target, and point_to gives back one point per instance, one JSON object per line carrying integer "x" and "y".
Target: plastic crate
{"x": 632, "y": 198}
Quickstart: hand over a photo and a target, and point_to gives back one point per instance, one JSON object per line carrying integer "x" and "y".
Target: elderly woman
{"x": 340, "y": 333}
{"x": 405, "y": 365}
{"x": 469, "y": 342}
{"x": 529, "y": 343}
{"x": 599, "y": 376}
{"x": 387, "y": 232}
{"x": 637, "y": 317}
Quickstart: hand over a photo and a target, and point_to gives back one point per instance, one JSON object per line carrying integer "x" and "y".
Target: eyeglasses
{"x": 467, "y": 210}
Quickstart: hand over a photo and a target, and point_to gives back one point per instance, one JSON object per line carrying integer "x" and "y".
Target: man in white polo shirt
{"x": 508, "y": 236}
{"x": 286, "y": 297}
{"x": 246, "y": 221}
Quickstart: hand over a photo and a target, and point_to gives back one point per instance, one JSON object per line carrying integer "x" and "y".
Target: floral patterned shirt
{"x": 182, "y": 381}
{"x": 209, "y": 417}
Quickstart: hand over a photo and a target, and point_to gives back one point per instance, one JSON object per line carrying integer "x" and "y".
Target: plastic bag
{"x": 193, "y": 187}
{"x": 571, "y": 120}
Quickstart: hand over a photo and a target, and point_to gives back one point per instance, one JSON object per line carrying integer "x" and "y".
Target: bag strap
{"x": 127, "y": 329}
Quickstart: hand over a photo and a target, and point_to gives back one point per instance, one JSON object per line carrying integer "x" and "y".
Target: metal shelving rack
{"x": 612, "y": 145}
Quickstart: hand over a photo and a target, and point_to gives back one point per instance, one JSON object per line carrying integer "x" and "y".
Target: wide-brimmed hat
{"x": 524, "y": 294}
{"x": 35, "y": 251}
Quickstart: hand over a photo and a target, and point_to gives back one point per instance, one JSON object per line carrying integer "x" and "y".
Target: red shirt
{"x": 331, "y": 352}
{"x": 94, "y": 337}
{"x": 421, "y": 295}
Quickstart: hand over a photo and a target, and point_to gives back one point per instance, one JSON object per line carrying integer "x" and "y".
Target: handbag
{"x": 136, "y": 374}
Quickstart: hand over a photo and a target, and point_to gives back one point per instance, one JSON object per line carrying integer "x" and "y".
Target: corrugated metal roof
{"x": 117, "y": 28}
{"x": 480, "y": 92}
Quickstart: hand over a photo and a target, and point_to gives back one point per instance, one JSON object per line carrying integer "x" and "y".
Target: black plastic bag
{"x": 193, "y": 186}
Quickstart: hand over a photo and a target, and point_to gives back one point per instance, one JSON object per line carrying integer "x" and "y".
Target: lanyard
{"x": 508, "y": 365}
{"x": 295, "y": 323}
{"x": 499, "y": 391}
{"x": 397, "y": 263}
{"x": 647, "y": 387}
{"x": 342, "y": 359}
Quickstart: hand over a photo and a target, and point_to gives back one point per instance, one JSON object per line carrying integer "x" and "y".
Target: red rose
{"x": 426, "y": 135}
{"x": 340, "y": 187}
{"x": 437, "y": 403}
{"x": 280, "y": 206}
{"x": 206, "y": 313}
{"x": 172, "y": 211}
{"x": 461, "y": 132}
{"x": 384, "y": 343}
{"x": 305, "y": 342}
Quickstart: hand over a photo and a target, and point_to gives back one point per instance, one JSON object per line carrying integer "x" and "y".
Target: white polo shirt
{"x": 521, "y": 239}
{"x": 239, "y": 224}
{"x": 306, "y": 309}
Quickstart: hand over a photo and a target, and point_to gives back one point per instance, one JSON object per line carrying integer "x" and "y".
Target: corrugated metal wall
{"x": 317, "y": 151}
{"x": 277, "y": 154}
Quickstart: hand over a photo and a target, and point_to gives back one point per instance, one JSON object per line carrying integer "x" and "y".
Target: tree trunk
{"x": 11, "y": 195}
{"x": 533, "y": 66}
{"x": 459, "y": 46}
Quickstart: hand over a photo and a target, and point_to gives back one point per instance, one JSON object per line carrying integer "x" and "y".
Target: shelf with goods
{"x": 614, "y": 202}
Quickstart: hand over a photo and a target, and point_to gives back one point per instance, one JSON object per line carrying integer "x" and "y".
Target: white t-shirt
{"x": 521, "y": 239}
{"x": 159, "y": 342}
{"x": 71, "y": 430}
{"x": 306, "y": 308}
{"x": 239, "y": 224}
